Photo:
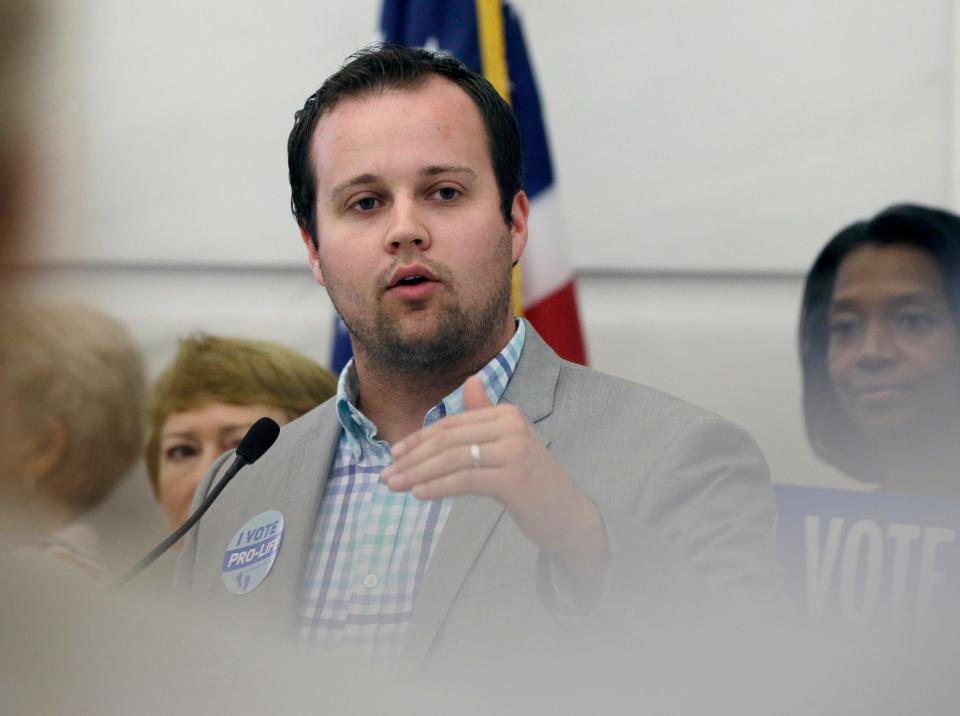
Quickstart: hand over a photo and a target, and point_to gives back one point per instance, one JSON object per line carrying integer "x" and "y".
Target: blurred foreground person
{"x": 72, "y": 384}
{"x": 19, "y": 42}
{"x": 206, "y": 399}
{"x": 880, "y": 349}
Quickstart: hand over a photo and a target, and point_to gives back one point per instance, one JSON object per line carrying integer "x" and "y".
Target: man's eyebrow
{"x": 355, "y": 181}
{"x": 435, "y": 169}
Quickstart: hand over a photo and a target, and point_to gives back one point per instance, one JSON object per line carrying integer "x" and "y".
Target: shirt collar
{"x": 359, "y": 430}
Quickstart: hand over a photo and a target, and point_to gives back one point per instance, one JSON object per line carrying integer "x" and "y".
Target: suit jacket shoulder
{"x": 685, "y": 494}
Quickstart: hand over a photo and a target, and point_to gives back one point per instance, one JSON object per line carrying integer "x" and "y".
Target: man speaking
{"x": 464, "y": 482}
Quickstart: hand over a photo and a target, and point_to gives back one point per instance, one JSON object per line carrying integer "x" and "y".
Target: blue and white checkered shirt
{"x": 371, "y": 545}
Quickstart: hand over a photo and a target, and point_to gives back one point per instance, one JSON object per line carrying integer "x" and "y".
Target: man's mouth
{"x": 414, "y": 283}
{"x": 411, "y": 281}
{"x": 412, "y": 275}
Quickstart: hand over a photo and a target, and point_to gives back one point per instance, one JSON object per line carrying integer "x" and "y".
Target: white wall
{"x": 688, "y": 135}
{"x": 704, "y": 151}
{"x": 737, "y": 135}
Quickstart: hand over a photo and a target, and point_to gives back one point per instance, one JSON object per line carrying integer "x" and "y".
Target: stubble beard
{"x": 463, "y": 340}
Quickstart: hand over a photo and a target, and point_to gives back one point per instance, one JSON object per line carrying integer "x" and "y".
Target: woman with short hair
{"x": 206, "y": 399}
{"x": 880, "y": 350}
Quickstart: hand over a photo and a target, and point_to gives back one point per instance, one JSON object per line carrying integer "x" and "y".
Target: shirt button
{"x": 370, "y": 581}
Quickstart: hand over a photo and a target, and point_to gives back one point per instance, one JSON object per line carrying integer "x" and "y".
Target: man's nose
{"x": 407, "y": 229}
{"x": 878, "y": 350}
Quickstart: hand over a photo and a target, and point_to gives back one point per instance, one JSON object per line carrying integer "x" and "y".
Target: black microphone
{"x": 261, "y": 435}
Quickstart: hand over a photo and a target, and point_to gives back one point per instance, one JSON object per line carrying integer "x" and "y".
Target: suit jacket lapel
{"x": 298, "y": 500}
{"x": 470, "y": 522}
{"x": 472, "y": 517}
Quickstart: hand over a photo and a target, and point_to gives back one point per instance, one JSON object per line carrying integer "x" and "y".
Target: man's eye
{"x": 447, "y": 193}
{"x": 176, "y": 453}
{"x": 365, "y": 204}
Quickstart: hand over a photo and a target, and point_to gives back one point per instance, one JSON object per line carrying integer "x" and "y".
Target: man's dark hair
{"x": 384, "y": 67}
{"x": 934, "y": 231}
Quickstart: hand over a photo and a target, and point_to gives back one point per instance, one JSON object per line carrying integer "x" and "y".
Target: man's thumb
{"x": 474, "y": 394}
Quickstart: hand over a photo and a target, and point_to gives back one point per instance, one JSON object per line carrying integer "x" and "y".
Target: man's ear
{"x": 519, "y": 214}
{"x": 313, "y": 256}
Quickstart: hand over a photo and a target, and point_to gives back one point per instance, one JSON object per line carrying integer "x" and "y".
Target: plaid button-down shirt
{"x": 371, "y": 545}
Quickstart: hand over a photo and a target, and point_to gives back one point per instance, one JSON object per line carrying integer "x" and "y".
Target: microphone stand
{"x": 155, "y": 553}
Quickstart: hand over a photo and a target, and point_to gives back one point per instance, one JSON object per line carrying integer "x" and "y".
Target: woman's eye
{"x": 176, "y": 453}
{"x": 841, "y": 329}
{"x": 915, "y": 322}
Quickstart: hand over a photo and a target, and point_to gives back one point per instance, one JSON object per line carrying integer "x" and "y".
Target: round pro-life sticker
{"x": 251, "y": 552}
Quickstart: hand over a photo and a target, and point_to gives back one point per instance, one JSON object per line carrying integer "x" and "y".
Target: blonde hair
{"x": 237, "y": 371}
{"x": 75, "y": 364}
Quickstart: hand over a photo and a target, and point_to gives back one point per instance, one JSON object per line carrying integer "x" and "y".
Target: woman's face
{"x": 893, "y": 353}
{"x": 190, "y": 441}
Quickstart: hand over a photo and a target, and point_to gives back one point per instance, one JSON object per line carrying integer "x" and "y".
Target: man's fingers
{"x": 475, "y": 395}
{"x": 474, "y": 481}
{"x": 456, "y": 458}
{"x": 473, "y": 417}
{"x": 443, "y": 441}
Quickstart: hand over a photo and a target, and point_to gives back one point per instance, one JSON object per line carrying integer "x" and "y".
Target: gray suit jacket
{"x": 685, "y": 497}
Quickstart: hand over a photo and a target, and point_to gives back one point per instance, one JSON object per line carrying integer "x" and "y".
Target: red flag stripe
{"x": 557, "y": 319}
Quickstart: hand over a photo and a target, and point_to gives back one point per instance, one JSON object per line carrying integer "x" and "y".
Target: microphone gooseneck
{"x": 257, "y": 440}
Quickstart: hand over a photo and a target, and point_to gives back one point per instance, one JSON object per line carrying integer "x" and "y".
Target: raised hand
{"x": 493, "y": 450}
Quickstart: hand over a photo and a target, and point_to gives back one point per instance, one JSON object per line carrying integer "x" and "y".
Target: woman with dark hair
{"x": 880, "y": 350}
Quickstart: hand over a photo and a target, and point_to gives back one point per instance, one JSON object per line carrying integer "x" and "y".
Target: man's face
{"x": 894, "y": 351}
{"x": 413, "y": 248}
